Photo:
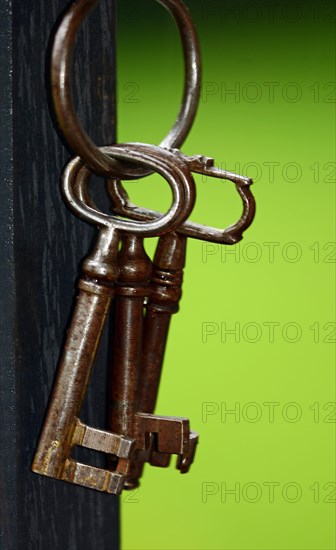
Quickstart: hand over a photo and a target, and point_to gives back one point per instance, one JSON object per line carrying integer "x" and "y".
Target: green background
{"x": 278, "y": 128}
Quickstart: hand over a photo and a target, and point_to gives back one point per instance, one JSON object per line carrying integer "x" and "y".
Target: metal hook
{"x": 205, "y": 166}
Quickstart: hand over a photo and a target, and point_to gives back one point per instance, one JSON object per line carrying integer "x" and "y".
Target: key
{"x": 127, "y": 379}
{"x": 166, "y": 285}
{"x": 62, "y": 428}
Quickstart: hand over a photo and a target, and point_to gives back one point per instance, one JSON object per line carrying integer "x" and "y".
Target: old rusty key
{"x": 166, "y": 283}
{"x": 62, "y": 428}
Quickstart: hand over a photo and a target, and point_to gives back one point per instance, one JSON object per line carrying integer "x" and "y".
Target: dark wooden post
{"x": 41, "y": 247}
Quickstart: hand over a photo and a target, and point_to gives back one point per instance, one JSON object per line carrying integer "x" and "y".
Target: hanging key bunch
{"x": 118, "y": 274}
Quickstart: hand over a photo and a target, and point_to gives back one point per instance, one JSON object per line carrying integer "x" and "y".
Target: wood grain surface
{"x": 42, "y": 245}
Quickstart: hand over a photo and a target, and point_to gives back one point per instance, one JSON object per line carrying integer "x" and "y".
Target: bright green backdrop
{"x": 277, "y": 452}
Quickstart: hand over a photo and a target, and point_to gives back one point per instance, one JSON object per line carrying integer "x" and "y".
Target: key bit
{"x": 168, "y": 436}
{"x": 184, "y": 461}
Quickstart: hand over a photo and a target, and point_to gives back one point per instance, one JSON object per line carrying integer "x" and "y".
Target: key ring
{"x": 61, "y": 72}
{"x": 175, "y": 172}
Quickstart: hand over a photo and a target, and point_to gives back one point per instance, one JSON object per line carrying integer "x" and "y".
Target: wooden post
{"x": 41, "y": 247}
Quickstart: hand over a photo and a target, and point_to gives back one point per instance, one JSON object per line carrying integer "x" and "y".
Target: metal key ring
{"x": 61, "y": 71}
{"x": 176, "y": 173}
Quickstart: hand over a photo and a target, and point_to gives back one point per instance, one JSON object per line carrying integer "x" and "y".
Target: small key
{"x": 62, "y": 428}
